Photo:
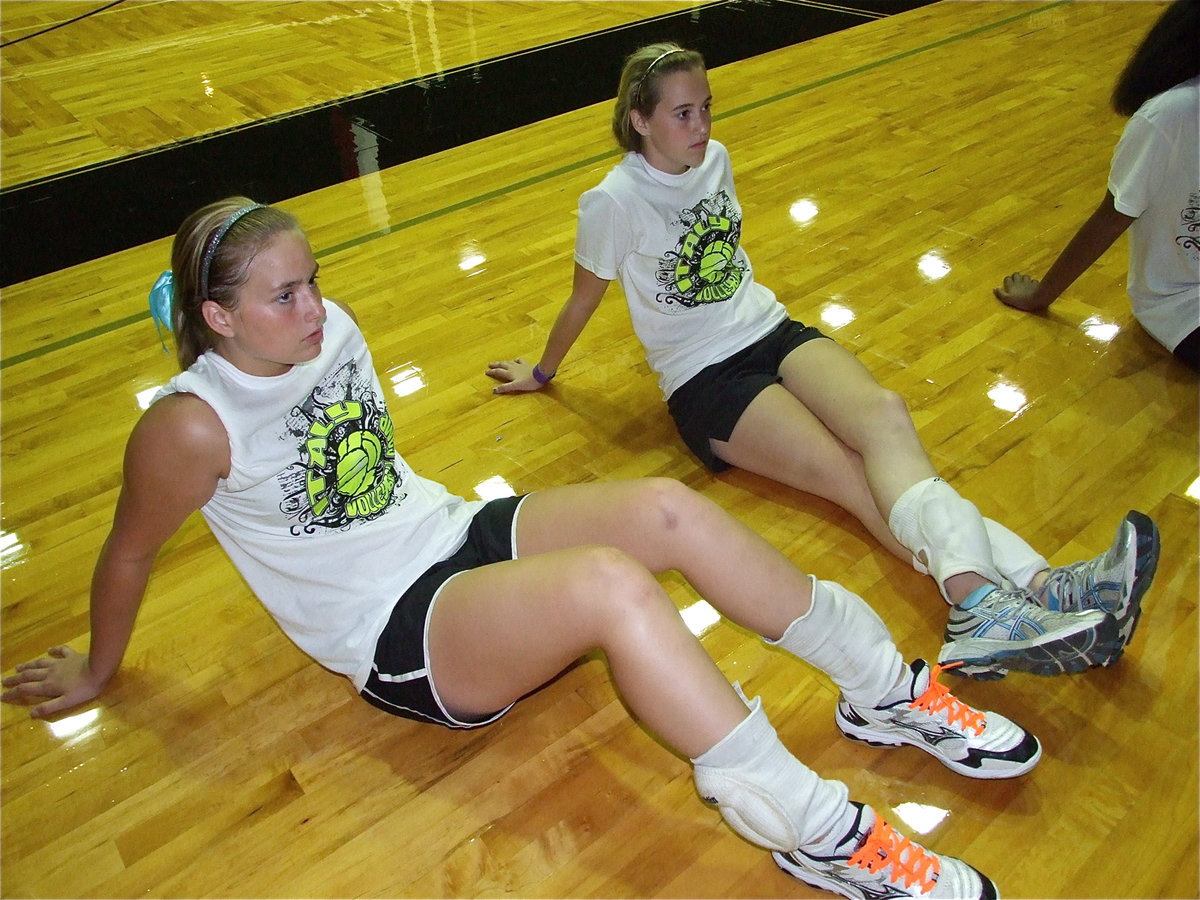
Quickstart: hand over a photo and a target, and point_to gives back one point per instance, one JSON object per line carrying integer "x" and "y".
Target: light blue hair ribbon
{"x": 161, "y": 296}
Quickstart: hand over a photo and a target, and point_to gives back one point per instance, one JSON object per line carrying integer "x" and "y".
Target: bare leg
{"x": 841, "y": 392}
{"x": 776, "y": 423}
{"x": 766, "y": 441}
{"x": 873, "y": 421}
{"x": 584, "y": 579}
{"x": 664, "y": 525}
{"x": 501, "y": 631}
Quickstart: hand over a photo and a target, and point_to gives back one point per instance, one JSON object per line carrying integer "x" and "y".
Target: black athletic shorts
{"x": 399, "y": 682}
{"x": 709, "y": 404}
{"x": 1188, "y": 350}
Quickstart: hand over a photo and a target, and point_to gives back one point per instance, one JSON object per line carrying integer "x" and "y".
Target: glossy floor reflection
{"x": 222, "y": 762}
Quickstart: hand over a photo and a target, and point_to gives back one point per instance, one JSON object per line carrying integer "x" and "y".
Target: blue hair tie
{"x": 161, "y": 296}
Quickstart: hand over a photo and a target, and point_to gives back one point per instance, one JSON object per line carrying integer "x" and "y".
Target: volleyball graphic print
{"x": 347, "y": 472}
{"x": 703, "y": 268}
{"x": 357, "y": 455}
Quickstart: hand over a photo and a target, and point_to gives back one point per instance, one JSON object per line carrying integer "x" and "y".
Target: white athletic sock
{"x": 944, "y": 532}
{"x": 1016, "y": 560}
{"x": 764, "y": 793}
{"x": 843, "y": 637}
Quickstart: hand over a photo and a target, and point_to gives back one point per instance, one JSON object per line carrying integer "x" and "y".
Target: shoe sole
{"x": 875, "y": 739}
{"x": 1144, "y": 567}
{"x": 1067, "y": 655}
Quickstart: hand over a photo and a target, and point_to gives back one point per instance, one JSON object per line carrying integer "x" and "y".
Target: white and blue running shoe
{"x": 995, "y": 630}
{"x": 1113, "y": 582}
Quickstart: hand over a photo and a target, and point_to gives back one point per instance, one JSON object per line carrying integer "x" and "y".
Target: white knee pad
{"x": 944, "y": 532}
{"x": 763, "y": 792}
{"x": 748, "y": 809}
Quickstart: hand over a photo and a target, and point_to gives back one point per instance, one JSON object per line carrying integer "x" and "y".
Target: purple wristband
{"x": 541, "y": 377}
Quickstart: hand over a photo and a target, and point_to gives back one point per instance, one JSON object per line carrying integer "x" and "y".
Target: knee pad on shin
{"x": 944, "y": 532}
{"x": 763, "y": 792}
{"x": 748, "y": 809}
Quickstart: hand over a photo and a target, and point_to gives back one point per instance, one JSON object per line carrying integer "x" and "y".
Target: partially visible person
{"x": 448, "y": 611}
{"x": 1153, "y": 192}
{"x": 748, "y": 386}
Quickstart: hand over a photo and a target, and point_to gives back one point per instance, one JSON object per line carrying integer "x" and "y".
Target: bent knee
{"x": 619, "y": 588}
{"x": 670, "y": 503}
{"x": 889, "y": 414}
{"x": 611, "y": 572}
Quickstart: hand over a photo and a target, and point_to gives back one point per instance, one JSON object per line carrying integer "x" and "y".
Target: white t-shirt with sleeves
{"x": 1155, "y": 177}
{"x": 673, "y": 243}
{"x": 322, "y": 517}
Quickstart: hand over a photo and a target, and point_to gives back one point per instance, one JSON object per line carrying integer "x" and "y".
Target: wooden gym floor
{"x": 891, "y": 174}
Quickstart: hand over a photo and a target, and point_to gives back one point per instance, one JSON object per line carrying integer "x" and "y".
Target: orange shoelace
{"x": 937, "y": 697}
{"x": 909, "y": 861}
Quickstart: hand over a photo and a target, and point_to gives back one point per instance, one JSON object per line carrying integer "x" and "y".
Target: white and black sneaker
{"x": 923, "y": 713}
{"x": 875, "y": 862}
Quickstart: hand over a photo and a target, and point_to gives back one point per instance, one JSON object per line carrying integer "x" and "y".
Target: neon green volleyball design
{"x": 703, "y": 269}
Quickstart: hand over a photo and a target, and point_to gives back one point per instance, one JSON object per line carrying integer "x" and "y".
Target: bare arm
{"x": 587, "y": 290}
{"x": 1095, "y": 236}
{"x": 175, "y": 455}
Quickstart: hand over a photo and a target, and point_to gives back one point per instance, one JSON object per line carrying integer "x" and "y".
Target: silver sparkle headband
{"x": 216, "y": 239}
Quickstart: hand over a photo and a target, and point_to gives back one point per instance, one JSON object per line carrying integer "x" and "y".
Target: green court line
{"x": 555, "y": 173}
{"x": 73, "y": 339}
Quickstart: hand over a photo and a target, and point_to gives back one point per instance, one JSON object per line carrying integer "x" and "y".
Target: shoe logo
{"x": 884, "y": 893}
{"x": 930, "y": 735}
{"x": 1091, "y": 597}
{"x": 1010, "y": 619}
{"x": 851, "y": 715}
{"x": 1021, "y": 753}
{"x": 808, "y": 868}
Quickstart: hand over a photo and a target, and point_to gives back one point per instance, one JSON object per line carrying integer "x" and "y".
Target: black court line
{"x": 59, "y": 221}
